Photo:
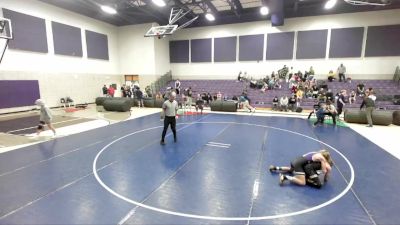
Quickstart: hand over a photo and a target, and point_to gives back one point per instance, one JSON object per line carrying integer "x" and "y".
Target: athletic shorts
{"x": 297, "y": 166}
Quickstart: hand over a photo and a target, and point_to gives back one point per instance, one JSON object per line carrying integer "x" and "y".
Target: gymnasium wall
{"x": 62, "y": 71}
{"x": 358, "y": 66}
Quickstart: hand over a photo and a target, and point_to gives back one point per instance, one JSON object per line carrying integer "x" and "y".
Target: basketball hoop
{"x": 175, "y": 15}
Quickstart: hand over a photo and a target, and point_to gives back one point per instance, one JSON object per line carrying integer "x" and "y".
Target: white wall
{"x": 49, "y": 62}
{"x": 358, "y": 68}
{"x": 60, "y": 76}
{"x": 147, "y": 57}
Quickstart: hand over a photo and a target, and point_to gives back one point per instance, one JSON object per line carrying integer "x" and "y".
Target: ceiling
{"x": 226, "y": 11}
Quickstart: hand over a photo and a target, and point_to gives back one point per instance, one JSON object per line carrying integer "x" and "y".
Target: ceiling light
{"x": 160, "y": 3}
{"x": 330, "y": 4}
{"x": 210, "y": 17}
{"x": 108, "y": 9}
{"x": 264, "y": 10}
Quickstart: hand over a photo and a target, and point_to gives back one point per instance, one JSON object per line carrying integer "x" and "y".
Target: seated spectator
{"x": 309, "y": 94}
{"x": 245, "y": 104}
{"x": 315, "y": 91}
{"x": 292, "y": 103}
{"x": 271, "y": 84}
{"x": 275, "y": 103}
{"x": 284, "y": 101}
{"x": 321, "y": 98}
{"x": 360, "y": 89}
{"x": 329, "y": 95}
{"x": 277, "y": 84}
{"x": 352, "y": 98}
{"x": 294, "y": 89}
{"x": 299, "y": 96}
{"x": 331, "y": 76}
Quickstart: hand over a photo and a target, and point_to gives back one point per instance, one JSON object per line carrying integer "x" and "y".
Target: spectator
{"x": 321, "y": 98}
{"x": 189, "y": 95}
{"x": 219, "y": 96}
{"x": 199, "y": 104}
{"x": 331, "y": 76}
{"x": 123, "y": 91}
{"x": 315, "y": 91}
{"x": 275, "y": 103}
{"x": 139, "y": 95}
{"x": 177, "y": 86}
{"x": 309, "y": 94}
{"x": 341, "y": 102}
{"x": 311, "y": 72}
{"x": 342, "y": 73}
{"x": 291, "y": 72}
{"x": 292, "y": 103}
{"x": 299, "y": 95}
{"x": 128, "y": 92}
{"x": 369, "y": 103}
{"x": 159, "y": 96}
{"x": 352, "y": 98}
{"x": 360, "y": 89}
{"x": 105, "y": 91}
{"x": 239, "y": 78}
{"x": 284, "y": 101}
{"x": 111, "y": 91}
{"x": 329, "y": 95}
{"x": 209, "y": 98}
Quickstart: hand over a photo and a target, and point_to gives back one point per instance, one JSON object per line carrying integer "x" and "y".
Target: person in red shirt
{"x": 111, "y": 91}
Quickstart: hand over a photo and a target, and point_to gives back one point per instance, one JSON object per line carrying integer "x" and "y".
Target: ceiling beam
{"x": 211, "y": 6}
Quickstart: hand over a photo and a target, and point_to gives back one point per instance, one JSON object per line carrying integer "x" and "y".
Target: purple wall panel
{"x": 280, "y": 46}
{"x": 251, "y": 47}
{"x": 179, "y": 51}
{"x": 311, "y": 44}
{"x": 67, "y": 39}
{"x": 17, "y": 93}
{"x": 346, "y": 42}
{"x": 200, "y": 50}
{"x": 97, "y": 45}
{"x": 29, "y": 32}
{"x": 225, "y": 49}
{"x": 383, "y": 41}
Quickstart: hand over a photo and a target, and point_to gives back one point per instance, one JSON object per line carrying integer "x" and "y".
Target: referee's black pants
{"x": 167, "y": 121}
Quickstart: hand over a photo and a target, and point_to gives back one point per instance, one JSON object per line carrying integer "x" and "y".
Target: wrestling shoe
{"x": 272, "y": 168}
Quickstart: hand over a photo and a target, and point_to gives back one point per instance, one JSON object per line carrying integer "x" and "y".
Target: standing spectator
{"x": 369, "y": 103}
{"x": 111, "y": 91}
{"x": 123, "y": 91}
{"x": 342, "y": 73}
{"x": 139, "y": 95}
{"x": 177, "y": 86}
{"x": 199, "y": 104}
{"x": 209, "y": 98}
{"x": 189, "y": 98}
{"x": 127, "y": 92}
{"x": 219, "y": 96}
{"x": 45, "y": 117}
{"x": 105, "y": 91}
{"x": 275, "y": 103}
{"x": 170, "y": 107}
{"x": 311, "y": 72}
{"x": 239, "y": 78}
{"x": 284, "y": 101}
{"x": 341, "y": 102}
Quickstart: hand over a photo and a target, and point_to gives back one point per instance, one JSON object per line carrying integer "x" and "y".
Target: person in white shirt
{"x": 170, "y": 108}
{"x": 341, "y": 71}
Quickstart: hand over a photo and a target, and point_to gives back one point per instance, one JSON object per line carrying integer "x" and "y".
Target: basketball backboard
{"x": 5, "y": 28}
{"x": 161, "y": 31}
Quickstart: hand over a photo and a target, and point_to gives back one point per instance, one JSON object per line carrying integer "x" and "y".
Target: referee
{"x": 170, "y": 107}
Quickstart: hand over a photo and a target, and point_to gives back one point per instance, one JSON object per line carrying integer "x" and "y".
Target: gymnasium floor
{"x": 215, "y": 174}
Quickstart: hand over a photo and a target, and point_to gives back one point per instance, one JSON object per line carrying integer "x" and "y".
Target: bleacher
{"x": 385, "y": 90}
